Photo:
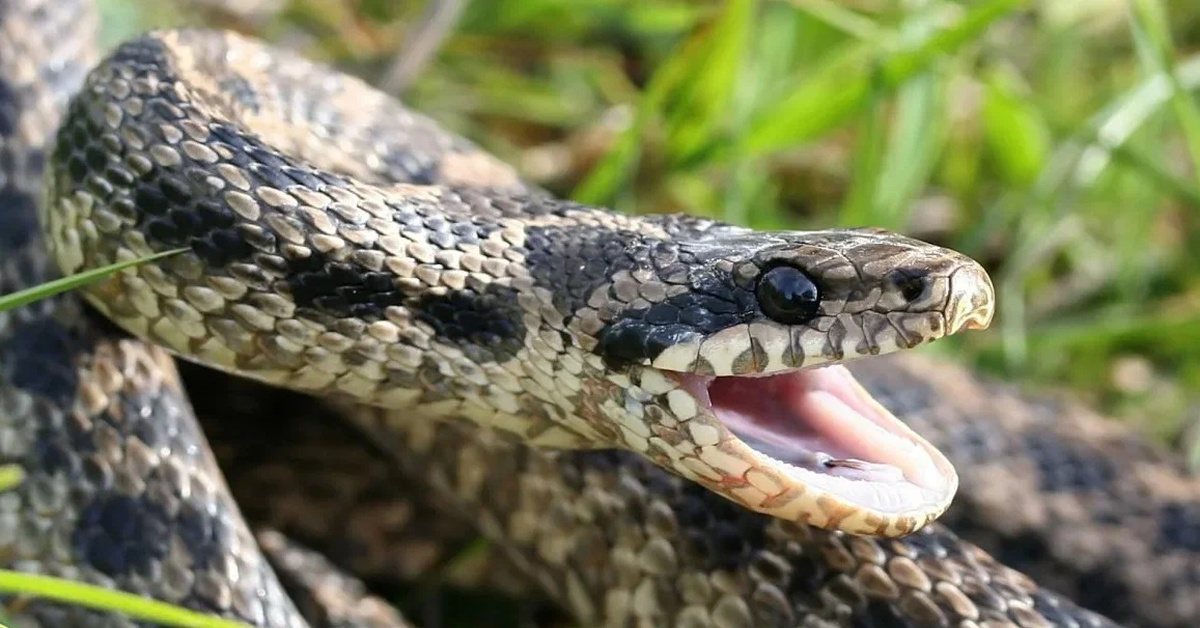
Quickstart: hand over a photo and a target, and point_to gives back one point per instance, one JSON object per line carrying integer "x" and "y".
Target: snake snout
{"x": 972, "y": 299}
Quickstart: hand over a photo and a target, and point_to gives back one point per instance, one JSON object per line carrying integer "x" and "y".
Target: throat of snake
{"x": 828, "y": 432}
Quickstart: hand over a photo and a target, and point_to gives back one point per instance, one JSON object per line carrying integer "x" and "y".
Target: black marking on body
{"x": 1069, "y": 466}
{"x": 877, "y": 614}
{"x": 1178, "y": 527}
{"x": 1101, "y": 590}
{"x": 1024, "y": 551}
{"x": 177, "y": 210}
{"x": 1059, "y": 612}
{"x": 487, "y": 325}
{"x": 124, "y": 535}
{"x": 121, "y": 535}
{"x": 409, "y": 166}
{"x": 37, "y": 355}
{"x": 144, "y": 55}
{"x": 342, "y": 289}
{"x": 18, "y": 215}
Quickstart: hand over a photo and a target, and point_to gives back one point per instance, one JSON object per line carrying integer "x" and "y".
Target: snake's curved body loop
{"x": 341, "y": 245}
{"x": 121, "y": 487}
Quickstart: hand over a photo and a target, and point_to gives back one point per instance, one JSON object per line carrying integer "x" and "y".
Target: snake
{"x": 449, "y": 308}
{"x": 419, "y": 273}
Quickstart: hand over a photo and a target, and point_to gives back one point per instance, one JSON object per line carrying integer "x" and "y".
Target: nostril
{"x": 911, "y": 282}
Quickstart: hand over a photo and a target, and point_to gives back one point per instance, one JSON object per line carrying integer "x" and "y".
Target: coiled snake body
{"x": 420, "y": 274}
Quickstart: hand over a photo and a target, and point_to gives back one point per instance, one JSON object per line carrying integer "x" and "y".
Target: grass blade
{"x": 51, "y": 288}
{"x": 1151, "y": 32}
{"x": 843, "y": 85}
{"x": 106, "y": 600}
{"x": 916, "y": 135}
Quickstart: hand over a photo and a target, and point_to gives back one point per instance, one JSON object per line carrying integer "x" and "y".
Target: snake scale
{"x": 483, "y": 299}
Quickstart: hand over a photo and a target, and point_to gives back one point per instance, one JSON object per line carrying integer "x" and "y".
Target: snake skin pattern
{"x": 615, "y": 540}
{"x": 121, "y": 488}
{"x": 1075, "y": 500}
{"x": 342, "y": 245}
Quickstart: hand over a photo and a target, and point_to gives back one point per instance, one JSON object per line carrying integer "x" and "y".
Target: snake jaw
{"x": 813, "y": 446}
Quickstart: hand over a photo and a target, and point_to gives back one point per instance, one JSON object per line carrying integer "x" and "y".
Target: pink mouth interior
{"x": 829, "y": 432}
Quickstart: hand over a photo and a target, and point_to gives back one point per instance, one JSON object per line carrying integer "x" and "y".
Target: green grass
{"x": 64, "y": 284}
{"x": 1057, "y": 142}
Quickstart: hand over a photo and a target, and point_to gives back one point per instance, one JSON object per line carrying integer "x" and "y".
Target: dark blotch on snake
{"x": 1178, "y": 527}
{"x": 8, "y": 111}
{"x": 341, "y": 289}
{"x": 878, "y": 614}
{"x": 572, "y": 263}
{"x": 121, "y": 535}
{"x": 486, "y": 325}
{"x": 36, "y": 356}
{"x": 1020, "y": 551}
{"x": 1068, "y": 466}
{"x": 405, "y": 166}
{"x": 1052, "y": 610}
{"x": 18, "y": 219}
{"x": 1100, "y": 588}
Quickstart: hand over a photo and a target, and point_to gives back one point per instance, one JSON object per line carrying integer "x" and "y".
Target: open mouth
{"x": 821, "y": 428}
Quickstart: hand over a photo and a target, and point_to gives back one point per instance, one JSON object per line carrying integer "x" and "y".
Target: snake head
{"x": 734, "y": 368}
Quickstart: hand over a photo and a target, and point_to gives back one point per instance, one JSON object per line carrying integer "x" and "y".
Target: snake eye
{"x": 786, "y": 295}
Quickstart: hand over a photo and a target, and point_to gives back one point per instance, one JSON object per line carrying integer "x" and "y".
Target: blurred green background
{"x": 1053, "y": 140}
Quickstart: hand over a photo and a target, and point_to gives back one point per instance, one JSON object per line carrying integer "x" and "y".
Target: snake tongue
{"x": 831, "y": 433}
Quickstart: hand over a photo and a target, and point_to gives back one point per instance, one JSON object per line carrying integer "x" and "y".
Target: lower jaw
{"x": 821, "y": 434}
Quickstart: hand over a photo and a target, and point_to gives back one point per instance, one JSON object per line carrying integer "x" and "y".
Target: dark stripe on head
{"x": 575, "y": 262}
{"x": 572, "y": 262}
